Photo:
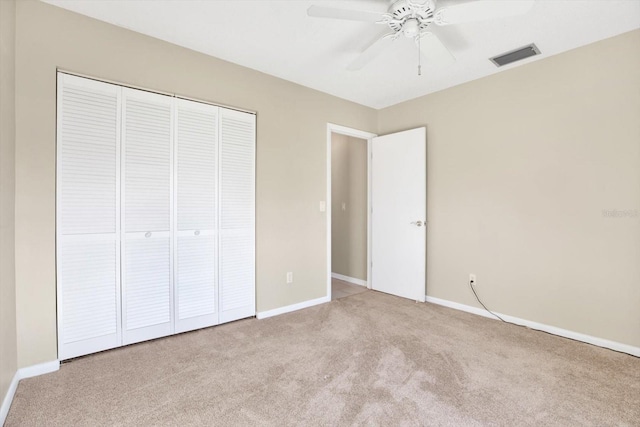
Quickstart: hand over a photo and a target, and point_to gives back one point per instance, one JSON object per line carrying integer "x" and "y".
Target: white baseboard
{"x": 292, "y": 307}
{"x": 22, "y": 373}
{"x": 40, "y": 369}
{"x": 600, "y": 342}
{"x": 8, "y": 399}
{"x": 350, "y": 279}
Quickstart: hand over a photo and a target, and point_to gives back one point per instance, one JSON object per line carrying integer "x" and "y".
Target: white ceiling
{"x": 278, "y": 38}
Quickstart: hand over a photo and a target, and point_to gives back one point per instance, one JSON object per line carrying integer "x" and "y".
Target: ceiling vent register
{"x": 515, "y": 55}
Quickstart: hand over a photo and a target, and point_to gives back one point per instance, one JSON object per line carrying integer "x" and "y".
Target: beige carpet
{"x": 368, "y": 359}
{"x": 342, "y": 289}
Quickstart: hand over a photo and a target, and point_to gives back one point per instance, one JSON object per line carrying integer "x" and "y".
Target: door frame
{"x": 368, "y": 136}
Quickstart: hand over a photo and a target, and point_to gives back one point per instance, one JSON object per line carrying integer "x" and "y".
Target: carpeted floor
{"x": 368, "y": 359}
{"x": 342, "y": 289}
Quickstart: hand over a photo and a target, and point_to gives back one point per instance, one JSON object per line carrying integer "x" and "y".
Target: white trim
{"x": 40, "y": 369}
{"x": 369, "y": 214}
{"x": 368, "y": 136}
{"x": 173, "y": 221}
{"x": 458, "y": 306}
{"x": 160, "y": 92}
{"x": 22, "y": 373}
{"x": 327, "y": 210}
{"x": 343, "y": 130}
{"x": 59, "y": 306}
{"x": 292, "y": 307}
{"x": 353, "y": 280}
{"x": 8, "y": 398}
{"x": 600, "y": 342}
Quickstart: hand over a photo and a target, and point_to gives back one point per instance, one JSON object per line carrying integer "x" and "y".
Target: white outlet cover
{"x": 323, "y": 206}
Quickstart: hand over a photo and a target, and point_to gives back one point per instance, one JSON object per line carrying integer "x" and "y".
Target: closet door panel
{"x": 196, "y": 148}
{"x": 197, "y": 164}
{"x": 237, "y": 211}
{"x": 89, "y": 297}
{"x": 196, "y": 282}
{"x": 237, "y": 260}
{"x": 147, "y": 281}
{"x": 147, "y": 221}
{"x": 87, "y": 159}
{"x": 88, "y": 225}
{"x": 147, "y": 148}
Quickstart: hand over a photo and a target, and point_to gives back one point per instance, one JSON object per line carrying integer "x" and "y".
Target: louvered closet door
{"x": 88, "y": 222}
{"x": 196, "y": 263}
{"x": 237, "y": 215}
{"x": 147, "y": 288}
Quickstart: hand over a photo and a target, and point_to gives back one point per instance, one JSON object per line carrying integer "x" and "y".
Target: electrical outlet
{"x": 344, "y": 206}
{"x": 472, "y": 279}
{"x": 289, "y": 277}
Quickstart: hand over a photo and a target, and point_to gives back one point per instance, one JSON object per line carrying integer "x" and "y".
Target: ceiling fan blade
{"x": 351, "y": 15}
{"x": 481, "y": 10}
{"x": 434, "y": 50}
{"x": 371, "y": 52}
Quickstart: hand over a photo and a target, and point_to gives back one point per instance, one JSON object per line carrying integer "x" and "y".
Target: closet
{"x": 155, "y": 215}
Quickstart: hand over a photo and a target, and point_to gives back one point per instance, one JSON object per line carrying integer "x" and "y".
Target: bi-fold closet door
{"x": 196, "y": 213}
{"x": 147, "y": 271}
{"x": 88, "y": 216}
{"x": 155, "y": 215}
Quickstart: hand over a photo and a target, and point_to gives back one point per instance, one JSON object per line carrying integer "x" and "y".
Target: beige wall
{"x": 521, "y": 166}
{"x": 291, "y": 154}
{"x": 349, "y": 226}
{"x": 7, "y": 197}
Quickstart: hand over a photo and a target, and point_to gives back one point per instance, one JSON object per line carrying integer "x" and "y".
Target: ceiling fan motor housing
{"x": 410, "y": 16}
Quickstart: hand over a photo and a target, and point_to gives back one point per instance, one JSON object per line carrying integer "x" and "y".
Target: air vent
{"x": 515, "y": 55}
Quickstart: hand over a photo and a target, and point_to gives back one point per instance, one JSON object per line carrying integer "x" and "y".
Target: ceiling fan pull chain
{"x": 419, "y": 57}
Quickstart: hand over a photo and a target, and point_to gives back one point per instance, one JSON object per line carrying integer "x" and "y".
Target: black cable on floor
{"x": 485, "y": 307}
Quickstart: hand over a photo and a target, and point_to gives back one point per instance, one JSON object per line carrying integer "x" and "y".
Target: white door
{"x": 237, "y": 215}
{"x": 147, "y": 291}
{"x": 88, "y": 220}
{"x": 196, "y": 261}
{"x": 398, "y": 220}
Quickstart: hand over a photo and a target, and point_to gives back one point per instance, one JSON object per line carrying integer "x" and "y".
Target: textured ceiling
{"x": 278, "y": 38}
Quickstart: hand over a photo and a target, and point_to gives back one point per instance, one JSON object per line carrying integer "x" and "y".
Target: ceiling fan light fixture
{"x": 411, "y": 28}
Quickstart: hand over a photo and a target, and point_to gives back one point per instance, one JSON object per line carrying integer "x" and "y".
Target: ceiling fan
{"x": 413, "y": 19}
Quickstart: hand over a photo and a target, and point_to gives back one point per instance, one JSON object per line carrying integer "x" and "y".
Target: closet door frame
{"x": 120, "y": 236}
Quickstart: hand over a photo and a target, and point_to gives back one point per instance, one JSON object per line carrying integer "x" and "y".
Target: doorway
{"x": 396, "y": 231}
{"x": 349, "y": 185}
{"x": 347, "y": 211}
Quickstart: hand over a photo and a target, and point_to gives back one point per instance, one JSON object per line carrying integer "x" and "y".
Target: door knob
{"x": 419, "y": 223}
